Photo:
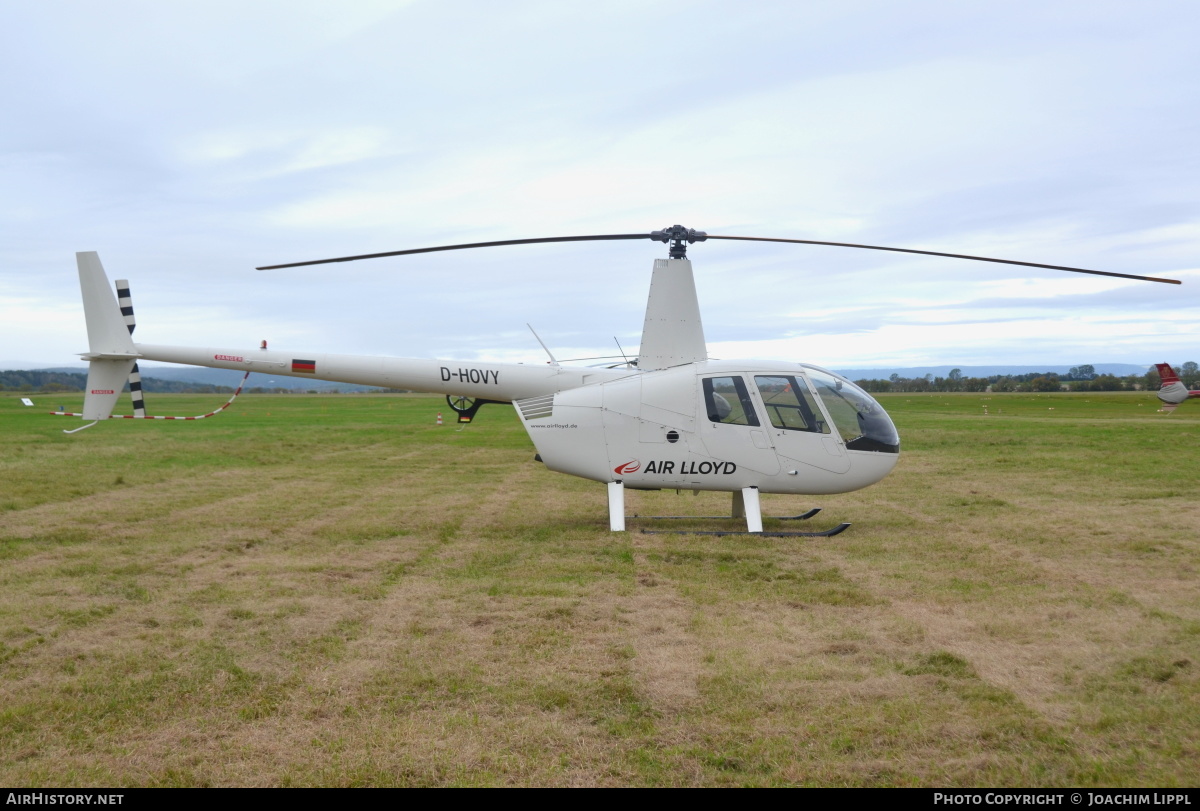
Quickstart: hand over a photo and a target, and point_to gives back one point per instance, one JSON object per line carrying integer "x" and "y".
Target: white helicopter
{"x": 671, "y": 419}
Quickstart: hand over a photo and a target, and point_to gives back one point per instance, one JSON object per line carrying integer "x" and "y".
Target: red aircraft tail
{"x": 1173, "y": 392}
{"x": 1167, "y": 373}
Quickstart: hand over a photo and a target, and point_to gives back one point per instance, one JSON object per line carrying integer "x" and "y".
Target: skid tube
{"x": 829, "y": 533}
{"x": 801, "y": 517}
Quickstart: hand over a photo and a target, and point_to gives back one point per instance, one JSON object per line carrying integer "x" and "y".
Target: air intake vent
{"x": 535, "y": 408}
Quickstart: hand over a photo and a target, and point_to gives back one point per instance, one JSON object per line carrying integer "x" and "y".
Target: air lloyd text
{"x": 690, "y": 468}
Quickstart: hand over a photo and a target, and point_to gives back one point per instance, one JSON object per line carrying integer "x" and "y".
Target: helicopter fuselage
{"x": 710, "y": 425}
{"x": 718, "y": 425}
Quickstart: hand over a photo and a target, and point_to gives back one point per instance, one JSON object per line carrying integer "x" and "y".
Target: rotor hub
{"x": 677, "y": 235}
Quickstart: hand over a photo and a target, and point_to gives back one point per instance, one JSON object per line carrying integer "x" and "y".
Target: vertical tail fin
{"x": 105, "y": 380}
{"x": 1166, "y": 373}
{"x": 111, "y": 353}
{"x": 107, "y": 332}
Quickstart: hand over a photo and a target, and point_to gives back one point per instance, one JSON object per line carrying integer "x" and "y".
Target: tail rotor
{"x": 125, "y": 302}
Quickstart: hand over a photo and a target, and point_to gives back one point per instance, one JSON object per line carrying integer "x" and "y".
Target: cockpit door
{"x": 729, "y": 425}
{"x": 798, "y": 426}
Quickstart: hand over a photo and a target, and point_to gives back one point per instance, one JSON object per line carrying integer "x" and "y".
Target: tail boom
{"x": 498, "y": 382}
{"x": 113, "y": 355}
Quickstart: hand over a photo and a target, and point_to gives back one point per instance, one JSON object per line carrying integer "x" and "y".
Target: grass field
{"x": 332, "y": 590}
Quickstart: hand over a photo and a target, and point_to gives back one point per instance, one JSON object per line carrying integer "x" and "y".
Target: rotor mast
{"x": 673, "y": 332}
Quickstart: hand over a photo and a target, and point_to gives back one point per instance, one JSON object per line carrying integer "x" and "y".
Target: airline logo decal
{"x": 685, "y": 468}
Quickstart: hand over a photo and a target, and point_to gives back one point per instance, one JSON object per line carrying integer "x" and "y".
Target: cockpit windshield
{"x": 861, "y": 421}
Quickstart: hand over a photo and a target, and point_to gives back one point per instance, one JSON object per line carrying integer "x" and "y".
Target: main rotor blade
{"x": 458, "y": 247}
{"x": 678, "y": 232}
{"x": 954, "y": 256}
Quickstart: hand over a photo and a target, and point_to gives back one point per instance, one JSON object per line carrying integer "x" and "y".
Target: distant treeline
{"x": 51, "y": 382}
{"x": 75, "y": 381}
{"x": 1079, "y": 378}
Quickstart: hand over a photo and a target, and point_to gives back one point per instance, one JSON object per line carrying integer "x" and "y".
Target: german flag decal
{"x": 308, "y": 367}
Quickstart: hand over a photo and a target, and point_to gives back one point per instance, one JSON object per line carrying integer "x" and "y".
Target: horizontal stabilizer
{"x": 110, "y": 355}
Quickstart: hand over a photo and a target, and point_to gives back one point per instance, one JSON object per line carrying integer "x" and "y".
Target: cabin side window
{"x": 789, "y": 404}
{"x": 726, "y": 400}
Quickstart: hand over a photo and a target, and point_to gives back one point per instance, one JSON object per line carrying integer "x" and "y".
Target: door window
{"x": 789, "y": 404}
{"x": 727, "y": 401}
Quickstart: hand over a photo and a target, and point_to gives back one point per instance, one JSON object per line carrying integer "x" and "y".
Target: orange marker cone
{"x": 439, "y": 418}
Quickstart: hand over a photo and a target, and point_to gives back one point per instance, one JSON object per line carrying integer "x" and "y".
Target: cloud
{"x": 189, "y": 144}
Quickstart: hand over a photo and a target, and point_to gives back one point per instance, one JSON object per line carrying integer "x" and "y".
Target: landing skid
{"x": 745, "y": 505}
{"x": 801, "y": 517}
{"x": 829, "y": 533}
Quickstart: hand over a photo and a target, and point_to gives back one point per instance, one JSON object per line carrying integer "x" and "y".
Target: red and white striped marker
{"x": 439, "y": 418}
{"x": 154, "y": 417}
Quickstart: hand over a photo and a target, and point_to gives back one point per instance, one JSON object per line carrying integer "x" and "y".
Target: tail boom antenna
{"x": 623, "y": 355}
{"x": 553, "y": 360}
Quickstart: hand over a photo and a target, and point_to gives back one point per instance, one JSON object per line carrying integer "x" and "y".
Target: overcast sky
{"x": 190, "y": 142}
